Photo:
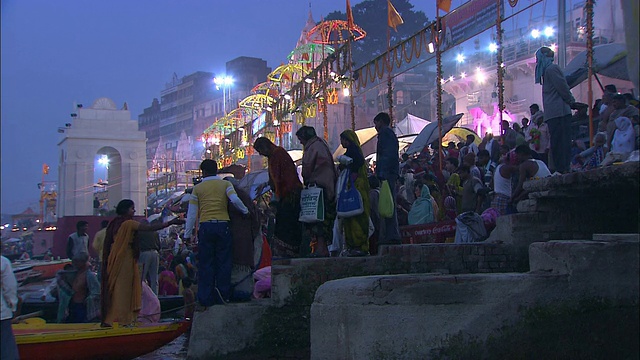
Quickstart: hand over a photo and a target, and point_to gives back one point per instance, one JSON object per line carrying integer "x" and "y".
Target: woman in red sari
{"x": 286, "y": 185}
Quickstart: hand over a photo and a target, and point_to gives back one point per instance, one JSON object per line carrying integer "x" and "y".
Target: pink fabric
{"x": 489, "y": 217}
{"x": 262, "y": 287}
{"x": 150, "y": 311}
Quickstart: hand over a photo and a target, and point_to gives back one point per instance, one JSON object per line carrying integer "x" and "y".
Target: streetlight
{"x": 225, "y": 82}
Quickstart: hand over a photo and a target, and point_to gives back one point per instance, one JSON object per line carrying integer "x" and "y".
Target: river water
{"x": 175, "y": 350}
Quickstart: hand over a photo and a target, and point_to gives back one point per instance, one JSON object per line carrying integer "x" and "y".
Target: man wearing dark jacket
{"x": 556, "y": 100}
{"x": 388, "y": 168}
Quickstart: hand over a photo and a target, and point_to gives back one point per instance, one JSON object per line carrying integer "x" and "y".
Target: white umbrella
{"x": 430, "y": 133}
{"x": 251, "y": 181}
{"x": 296, "y": 155}
{"x": 608, "y": 60}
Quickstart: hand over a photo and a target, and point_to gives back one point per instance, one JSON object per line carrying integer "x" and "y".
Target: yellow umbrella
{"x": 459, "y": 134}
{"x": 364, "y": 136}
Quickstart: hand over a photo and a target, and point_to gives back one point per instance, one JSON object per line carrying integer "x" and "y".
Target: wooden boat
{"x": 33, "y": 302}
{"x": 38, "y": 340}
{"x": 49, "y": 268}
{"x": 46, "y": 269}
{"x": 25, "y": 273}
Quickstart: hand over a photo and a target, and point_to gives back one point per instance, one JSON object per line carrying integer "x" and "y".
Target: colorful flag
{"x": 444, "y": 5}
{"x": 350, "y": 21}
{"x": 45, "y": 169}
{"x": 393, "y": 18}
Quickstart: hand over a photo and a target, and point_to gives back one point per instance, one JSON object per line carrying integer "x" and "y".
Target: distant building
{"x": 247, "y": 72}
{"x": 164, "y": 122}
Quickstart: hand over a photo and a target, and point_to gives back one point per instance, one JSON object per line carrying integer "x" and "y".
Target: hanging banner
{"x": 468, "y": 20}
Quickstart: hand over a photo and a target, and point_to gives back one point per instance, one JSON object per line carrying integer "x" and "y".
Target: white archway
{"x": 100, "y": 129}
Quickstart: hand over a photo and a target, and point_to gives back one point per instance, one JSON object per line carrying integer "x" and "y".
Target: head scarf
{"x": 624, "y": 136}
{"x": 351, "y": 136}
{"x": 306, "y": 132}
{"x": 422, "y": 209}
{"x": 542, "y": 62}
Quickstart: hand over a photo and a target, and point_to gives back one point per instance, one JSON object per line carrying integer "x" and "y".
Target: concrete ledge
{"x": 306, "y": 275}
{"x": 407, "y": 316}
{"x": 608, "y": 177}
{"x": 616, "y": 237}
{"x": 223, "y": 329}
{"x": 607, "y": 268}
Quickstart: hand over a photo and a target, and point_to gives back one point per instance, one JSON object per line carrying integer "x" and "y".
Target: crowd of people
{"x": 359, "y": 206}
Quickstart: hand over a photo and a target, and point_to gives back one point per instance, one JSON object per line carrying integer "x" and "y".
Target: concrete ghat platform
{"x": 223, "y": 329}
{"x": 408, "y": 316}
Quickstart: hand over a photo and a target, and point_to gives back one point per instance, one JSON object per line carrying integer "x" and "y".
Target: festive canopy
{"x": 304, "y": 54}
{"x": 268, "y": 88}
{"x": 335, "y": 32}
{"x": 256, "y": 102}
{"x": 288, "y": 73}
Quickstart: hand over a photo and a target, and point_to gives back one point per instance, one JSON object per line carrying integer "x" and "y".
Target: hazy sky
{"x": 57, "y": 52}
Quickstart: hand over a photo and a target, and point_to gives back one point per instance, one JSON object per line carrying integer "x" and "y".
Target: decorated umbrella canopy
{"x": 288, "y": 73}
{"x": 459, "y": 134}
{"x": 304, "y": 54}
{"x": 608, "y": 60}
{"x": 430, "y": 133}
{"x": 256, "y": 102}
{"x": 268, "y": 88}
{"x": 333, "y": 32}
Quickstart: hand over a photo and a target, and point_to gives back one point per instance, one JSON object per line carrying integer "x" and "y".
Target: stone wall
{"x": 574, "y": 207}
{"x": 412, "y": 316}
{"x": 306, "y": 275}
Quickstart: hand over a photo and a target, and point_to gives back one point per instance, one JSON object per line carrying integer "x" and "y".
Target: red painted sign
{"x": 428, "y": 233}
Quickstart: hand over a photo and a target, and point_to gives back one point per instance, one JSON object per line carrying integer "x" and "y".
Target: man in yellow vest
{"x": 208, "y": 203}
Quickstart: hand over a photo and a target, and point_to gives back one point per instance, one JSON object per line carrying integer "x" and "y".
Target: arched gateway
{"x": 101, "y": 129}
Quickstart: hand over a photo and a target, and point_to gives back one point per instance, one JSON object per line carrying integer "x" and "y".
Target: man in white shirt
{"x": 8, "y": 347}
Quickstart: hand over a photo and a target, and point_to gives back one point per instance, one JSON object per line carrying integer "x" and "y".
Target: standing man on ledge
{"x": 556, "y": 100}
{"x": 208, "y": 203}
{"x": 388, "y": 168}
{"x": 78, "y": 242}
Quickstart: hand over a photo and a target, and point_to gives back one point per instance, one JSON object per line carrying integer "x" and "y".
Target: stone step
{"x": 223, "y": 329}
{"x": 616, "y": 237}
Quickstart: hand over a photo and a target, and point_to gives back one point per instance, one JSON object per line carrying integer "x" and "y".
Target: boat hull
{"x": 90, "y": 341}
{"x": 50, "y": 268}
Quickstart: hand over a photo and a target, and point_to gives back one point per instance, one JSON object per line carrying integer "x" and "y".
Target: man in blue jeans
{"x": 388, "y": 168}
{"x": 208, "y": 203}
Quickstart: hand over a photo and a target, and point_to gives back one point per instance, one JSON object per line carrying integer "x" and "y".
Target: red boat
{"x": 38, "y": 340}
{"x": 46, "y": 269}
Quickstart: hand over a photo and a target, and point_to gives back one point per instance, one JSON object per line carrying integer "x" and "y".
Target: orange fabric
{"x": 283, "y": 173}
{"x": 124, "y": 284}
{"x": 393, "y": 17}
{"x": 444, "y": 5}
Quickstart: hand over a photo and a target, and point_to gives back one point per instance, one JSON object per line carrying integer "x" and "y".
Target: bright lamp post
{"x": 225, "y": 83}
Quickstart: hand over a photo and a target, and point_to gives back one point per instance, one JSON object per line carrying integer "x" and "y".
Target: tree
{"x": 371, "y": 16}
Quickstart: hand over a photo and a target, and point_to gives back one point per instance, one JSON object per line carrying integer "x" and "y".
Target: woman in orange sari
{"x": 121, "y": 282}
